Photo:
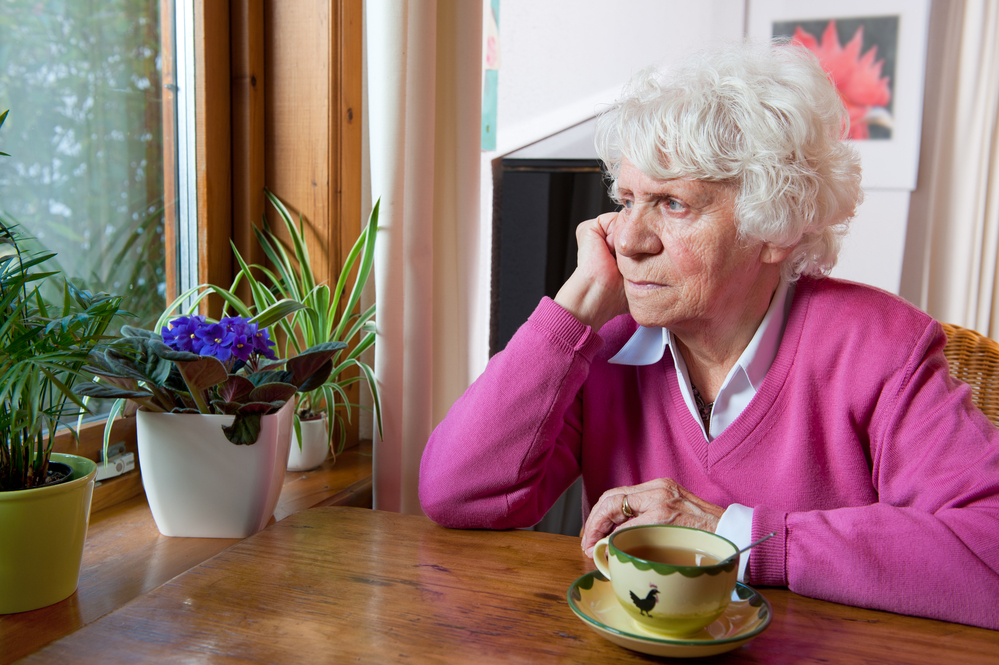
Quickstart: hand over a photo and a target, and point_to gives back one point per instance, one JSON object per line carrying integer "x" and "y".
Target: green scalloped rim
{"x": 666, "y": 569}
{"x": 587, "y": 584}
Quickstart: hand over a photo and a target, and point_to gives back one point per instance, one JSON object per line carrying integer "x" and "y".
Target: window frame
{"x": 232, "y": 41}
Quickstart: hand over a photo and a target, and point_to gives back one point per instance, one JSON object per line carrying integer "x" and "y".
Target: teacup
{"x": 667, "y": 578}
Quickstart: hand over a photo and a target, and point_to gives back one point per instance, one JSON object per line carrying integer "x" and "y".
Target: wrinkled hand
{"x": 660, "y": 501}
{"x": 594, "y": 293}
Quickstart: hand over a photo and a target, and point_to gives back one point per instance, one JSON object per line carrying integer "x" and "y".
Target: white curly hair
{"x": 761, "y": 116}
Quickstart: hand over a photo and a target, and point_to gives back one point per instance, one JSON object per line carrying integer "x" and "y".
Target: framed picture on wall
{"x": 875, "y": 53}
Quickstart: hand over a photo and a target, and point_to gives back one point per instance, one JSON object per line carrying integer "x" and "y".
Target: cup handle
{"x": 600, "y": 557}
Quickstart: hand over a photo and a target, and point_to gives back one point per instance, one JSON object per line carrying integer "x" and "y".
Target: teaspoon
{"x": 730, "y": 557}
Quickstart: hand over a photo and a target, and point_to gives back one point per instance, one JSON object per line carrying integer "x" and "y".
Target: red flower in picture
{"x": 857, "y": 77}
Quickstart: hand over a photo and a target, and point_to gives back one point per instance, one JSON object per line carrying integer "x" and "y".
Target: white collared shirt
{"x": 647, "y": 347}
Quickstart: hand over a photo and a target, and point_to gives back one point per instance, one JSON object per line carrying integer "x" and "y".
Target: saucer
{"x": 592, "y": 599}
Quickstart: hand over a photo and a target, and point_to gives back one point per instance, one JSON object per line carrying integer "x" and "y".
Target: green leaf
{"x": 367, "y": 342}
{"x": 362, "y": 323}
{"x": 196, "y": 294}
{"x": 310, "y": 369}
{"x": 158, "y": 369}
{"x": 373, "y": 387}
{"x": 129, "y": 331}
{"x": 277, "y": 311}
{"x": 286, "y": 283}
{"x": 158, "y": 348}
{"x": 274, "y": 376}
{"x": 342, "y": 439}
{"x": 200, "y": 375}
{"x": 231, "y": 300}
{"x": 244, "y": 430}
{"x": 116, "y": 409}
{"x": 113, "y": 365}
{"x": 324, "y": 347}
{"x": 104, "y": 391}
{"x": 262, "y": 298}
{"x": 367, "y": 237}
{"x": 235, "y": 387}
{"x": 225, "y": 408}
{"x": 261, "y": 408}
{"x": 317, "y": 378}
{"x": 273, "y": 392}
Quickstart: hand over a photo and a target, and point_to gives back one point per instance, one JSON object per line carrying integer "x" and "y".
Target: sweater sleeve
{"x": 930, "y": 545}
{"x": 509, "y": 446}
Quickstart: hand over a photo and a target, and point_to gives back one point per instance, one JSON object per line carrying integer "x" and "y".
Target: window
{"x": 83, "y": 83}
{"x": 94, "y": 89}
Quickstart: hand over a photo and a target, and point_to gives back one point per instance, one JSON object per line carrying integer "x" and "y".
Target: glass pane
{"x": 83, "y": 82}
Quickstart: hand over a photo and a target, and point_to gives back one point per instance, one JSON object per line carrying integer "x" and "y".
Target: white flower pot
{"x": 200, "y": 485}
{"x": 314, "y": 448}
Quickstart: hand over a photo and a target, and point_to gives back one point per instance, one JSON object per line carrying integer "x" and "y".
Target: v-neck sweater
{"x": 878, "y": 475}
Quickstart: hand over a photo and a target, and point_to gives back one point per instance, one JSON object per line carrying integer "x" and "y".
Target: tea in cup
{"x": 668, "y": 578}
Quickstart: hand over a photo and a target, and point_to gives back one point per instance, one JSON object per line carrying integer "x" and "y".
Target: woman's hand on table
{"x": 660, "y": 501}
{"x": 594, "y": 293}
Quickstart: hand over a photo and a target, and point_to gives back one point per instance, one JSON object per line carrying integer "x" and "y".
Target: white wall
{"x": 562, "y": 59}
{"x": 872, "y": 253}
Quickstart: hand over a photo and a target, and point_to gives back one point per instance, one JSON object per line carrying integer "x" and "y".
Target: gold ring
{"x": 626, "y": 509}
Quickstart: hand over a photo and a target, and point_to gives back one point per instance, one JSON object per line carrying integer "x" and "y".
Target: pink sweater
{"x": 879, "y": 476}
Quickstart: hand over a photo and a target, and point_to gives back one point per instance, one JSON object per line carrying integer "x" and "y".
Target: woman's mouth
{"x": 643, "y": 286}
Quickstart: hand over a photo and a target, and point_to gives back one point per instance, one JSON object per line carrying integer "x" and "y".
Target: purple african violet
{"x": 232, "y": 337}
{"x": 180, "y": 335}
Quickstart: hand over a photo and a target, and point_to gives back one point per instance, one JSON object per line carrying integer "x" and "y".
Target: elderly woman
{"x": 698, "y": 368}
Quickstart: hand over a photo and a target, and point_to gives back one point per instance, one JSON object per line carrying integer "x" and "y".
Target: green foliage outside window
{"x": 82, "y": 80}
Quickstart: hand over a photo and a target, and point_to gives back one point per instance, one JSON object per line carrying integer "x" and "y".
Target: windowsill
{"x": 125, "y": 556}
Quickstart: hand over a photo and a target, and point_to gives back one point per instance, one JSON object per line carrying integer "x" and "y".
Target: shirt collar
{"x": 648, "y": 345}
{"x": 759, "y": 355}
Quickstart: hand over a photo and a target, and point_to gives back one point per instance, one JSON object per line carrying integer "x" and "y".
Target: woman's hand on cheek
{"x": 660, "y": 501}
{"x": 594, "y": 293}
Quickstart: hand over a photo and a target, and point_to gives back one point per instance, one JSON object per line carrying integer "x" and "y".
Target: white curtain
{"x": 953, "y": 247}
{"x": 424, "y": 72}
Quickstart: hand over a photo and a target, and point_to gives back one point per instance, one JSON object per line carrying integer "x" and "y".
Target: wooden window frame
{"x": 233, "y": 44}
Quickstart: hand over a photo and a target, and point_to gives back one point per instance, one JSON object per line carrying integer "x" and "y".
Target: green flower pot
{"x": 41, "y": 546}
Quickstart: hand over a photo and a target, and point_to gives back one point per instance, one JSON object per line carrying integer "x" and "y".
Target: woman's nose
{"x": 635, "y": 231}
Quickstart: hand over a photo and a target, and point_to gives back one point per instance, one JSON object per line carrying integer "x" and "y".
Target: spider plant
{"x": 329, "y": 314}
{"x": 322, "y": 315}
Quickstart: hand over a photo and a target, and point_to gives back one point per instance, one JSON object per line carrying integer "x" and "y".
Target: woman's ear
{"x": 774, "y": 254}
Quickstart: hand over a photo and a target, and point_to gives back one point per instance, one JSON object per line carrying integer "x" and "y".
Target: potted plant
{"x": 327, "y": 315}
{"x": 321, "y": 320}
{"x": 213, "y": 413}
{"x": 44, "y": 496}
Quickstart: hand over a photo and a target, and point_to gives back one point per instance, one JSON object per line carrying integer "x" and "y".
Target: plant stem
{"x": 199, "y": 399}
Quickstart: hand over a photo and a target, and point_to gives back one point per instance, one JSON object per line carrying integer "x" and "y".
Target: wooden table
{"x": 355, "y": 585}
{"x": 125, "y": 556}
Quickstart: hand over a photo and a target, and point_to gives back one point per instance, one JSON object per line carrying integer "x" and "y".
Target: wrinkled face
{"x": 679, "y": 252}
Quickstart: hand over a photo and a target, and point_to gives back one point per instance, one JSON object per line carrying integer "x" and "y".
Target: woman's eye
{"x": 674, "y": 205}
{"x": 626, "y": 204}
